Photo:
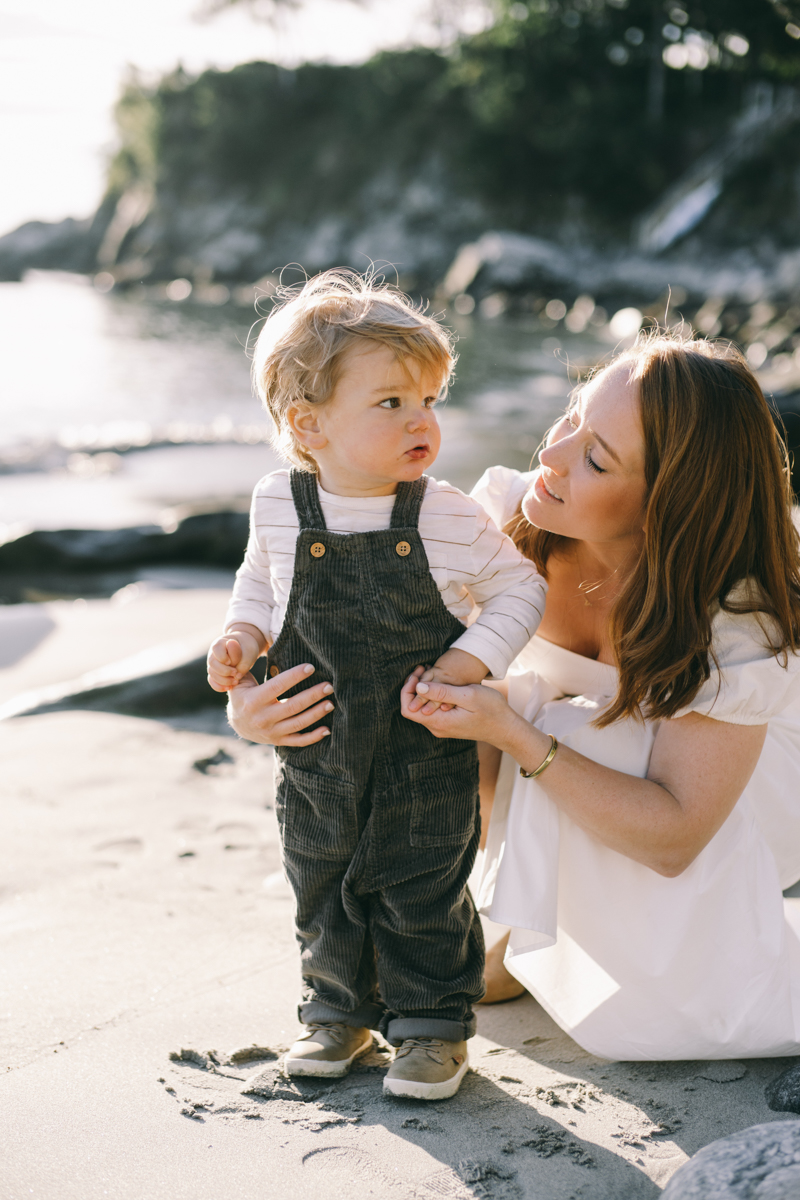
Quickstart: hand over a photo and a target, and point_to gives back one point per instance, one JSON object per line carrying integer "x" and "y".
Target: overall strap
{"x": 306, "y": 499}
{"x": 407, "y": 503}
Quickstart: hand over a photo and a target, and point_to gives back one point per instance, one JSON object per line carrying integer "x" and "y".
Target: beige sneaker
{"x": 327, "y": 1048}
{"x": 427, "y": 1069}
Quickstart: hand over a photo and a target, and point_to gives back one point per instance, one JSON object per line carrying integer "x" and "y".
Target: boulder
{"x": 759, "y": 1163}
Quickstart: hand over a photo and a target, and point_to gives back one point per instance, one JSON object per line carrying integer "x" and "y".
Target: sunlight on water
{"x": 96, "y": 386}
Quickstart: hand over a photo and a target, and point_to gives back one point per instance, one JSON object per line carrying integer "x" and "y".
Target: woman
{"x": 642, "y": 869}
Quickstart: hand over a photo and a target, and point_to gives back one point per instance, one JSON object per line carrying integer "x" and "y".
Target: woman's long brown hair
{"x": 717, "y": 511}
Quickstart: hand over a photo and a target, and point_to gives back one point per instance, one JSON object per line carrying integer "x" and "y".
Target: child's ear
{"x": 303, "y": 421}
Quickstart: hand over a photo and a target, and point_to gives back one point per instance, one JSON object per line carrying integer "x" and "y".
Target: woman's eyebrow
{"x": 605, "y": 445}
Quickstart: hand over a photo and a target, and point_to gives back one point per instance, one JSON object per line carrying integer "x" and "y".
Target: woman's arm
{"x": 698, "y": 770}
{"x": 488, "y": 768}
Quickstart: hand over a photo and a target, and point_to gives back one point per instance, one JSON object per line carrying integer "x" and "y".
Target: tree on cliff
{"x": 562, "y": 118}
{"x": 602, "y": 100}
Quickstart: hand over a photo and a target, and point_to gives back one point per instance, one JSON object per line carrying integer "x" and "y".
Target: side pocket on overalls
{"x": 444, "y": 800}
{"x": 316, "y": 814}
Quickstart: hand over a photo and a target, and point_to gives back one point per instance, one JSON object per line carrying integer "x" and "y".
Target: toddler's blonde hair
{"x": 299, "y": 353}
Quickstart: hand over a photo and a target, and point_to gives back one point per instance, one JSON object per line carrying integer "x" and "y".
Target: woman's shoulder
{"x": 739, "y": 637}
{"x": 500, "y": 490}
{"x": 750, "y": 681}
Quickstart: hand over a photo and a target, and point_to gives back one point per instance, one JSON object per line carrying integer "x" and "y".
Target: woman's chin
{"x": 540, "y": 515}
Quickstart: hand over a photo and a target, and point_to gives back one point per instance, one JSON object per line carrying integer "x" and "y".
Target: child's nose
{"x": 421, "y": 419}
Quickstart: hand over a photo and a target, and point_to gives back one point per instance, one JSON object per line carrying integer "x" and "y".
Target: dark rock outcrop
{"x": 181, "y": 689}
{"x": 210, "y": 539}
{"x": 67, "y": 245}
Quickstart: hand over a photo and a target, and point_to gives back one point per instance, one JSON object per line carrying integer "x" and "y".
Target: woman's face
{"x": 590, "y": 484}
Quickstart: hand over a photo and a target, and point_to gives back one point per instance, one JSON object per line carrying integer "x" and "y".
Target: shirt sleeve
{"x": 253, "y": 598}
{"x": 509, "y": 591}
{"x": 753, "y": 684}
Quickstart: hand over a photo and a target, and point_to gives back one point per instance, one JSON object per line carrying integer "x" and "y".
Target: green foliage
{"x": 137, "y": 120}
{"x": 558, "y": 99}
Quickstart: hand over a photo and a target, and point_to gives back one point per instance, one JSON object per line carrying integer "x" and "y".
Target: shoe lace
{"x": 431, "y": 1047}
{"x": 334, "y": 1028}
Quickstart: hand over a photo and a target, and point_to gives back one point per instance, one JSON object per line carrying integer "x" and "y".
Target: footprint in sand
{"x": 127, "y": 845}
{"x": 466, "y": 1181}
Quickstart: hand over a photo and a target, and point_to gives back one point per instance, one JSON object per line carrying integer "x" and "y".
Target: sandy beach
{"x": 150, "y": 976}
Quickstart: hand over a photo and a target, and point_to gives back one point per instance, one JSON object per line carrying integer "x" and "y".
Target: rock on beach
{"x": 783, "y": 1094}
{"x": 759, "y": 1163}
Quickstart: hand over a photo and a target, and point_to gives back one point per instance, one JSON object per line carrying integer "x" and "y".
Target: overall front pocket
{"x": 316, "y": 814}
{"x": 444, "y": 800}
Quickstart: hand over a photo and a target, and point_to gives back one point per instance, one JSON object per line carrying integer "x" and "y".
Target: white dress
{"x": 631, "y": 964}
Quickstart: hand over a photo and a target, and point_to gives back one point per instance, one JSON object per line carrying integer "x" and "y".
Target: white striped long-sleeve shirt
{"x": 473, "y": 564}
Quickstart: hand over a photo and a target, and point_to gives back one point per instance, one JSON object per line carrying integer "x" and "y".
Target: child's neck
{"x": 337, "y": 485}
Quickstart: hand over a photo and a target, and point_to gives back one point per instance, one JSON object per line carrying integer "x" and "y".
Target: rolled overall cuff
{"x": 397, "y": 1029}
{"x": 367, "y": 1016}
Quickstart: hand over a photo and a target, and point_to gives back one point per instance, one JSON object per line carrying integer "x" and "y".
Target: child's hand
{"x": 454, "y": 667}
{"x": 232, "y": 656}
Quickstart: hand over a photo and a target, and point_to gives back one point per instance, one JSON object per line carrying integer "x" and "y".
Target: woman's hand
{"x": 258, "y": 714}
{"x": 475, "y": 712}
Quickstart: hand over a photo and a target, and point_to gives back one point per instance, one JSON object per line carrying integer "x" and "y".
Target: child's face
{"x": 378, "y": 428}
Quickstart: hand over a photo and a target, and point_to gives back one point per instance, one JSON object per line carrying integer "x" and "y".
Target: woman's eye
{"x": 591, "y": 463}
{"x": 390, "y": 402}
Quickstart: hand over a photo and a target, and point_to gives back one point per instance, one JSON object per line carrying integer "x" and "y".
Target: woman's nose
{"x": 553, "y": 458}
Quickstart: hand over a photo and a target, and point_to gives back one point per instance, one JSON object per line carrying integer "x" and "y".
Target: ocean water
{"x": 120, "y": 408}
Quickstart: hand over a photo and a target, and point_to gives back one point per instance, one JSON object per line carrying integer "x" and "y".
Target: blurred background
{"x": 547, "y": 175}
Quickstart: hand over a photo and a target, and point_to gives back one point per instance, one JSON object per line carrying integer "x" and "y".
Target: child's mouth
{"x": 418, "y": 452}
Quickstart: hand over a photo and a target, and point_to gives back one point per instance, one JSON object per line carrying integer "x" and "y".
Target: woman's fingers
{"x": 408, "y": 691}
{"x": 309, "y": 738}
{"x": 294, "y": 723}
{"x": 276, "y": 685}
{"x": 300, "y": 702}
{"x": 441, "y": 693}
{"x": 257, "y": 711}
{"x": 414, "y": 697}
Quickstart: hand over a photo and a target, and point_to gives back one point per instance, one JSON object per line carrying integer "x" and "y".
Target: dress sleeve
{"x": 253, "y": 598}
{"x": 753, "y": 684}
{"x": 500, "y": 490}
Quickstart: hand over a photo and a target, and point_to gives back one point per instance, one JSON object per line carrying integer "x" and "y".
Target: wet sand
{"x": 145, "y": 923}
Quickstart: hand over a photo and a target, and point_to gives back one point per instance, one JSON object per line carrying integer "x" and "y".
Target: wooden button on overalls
{"x": 318, "y": 549}
{"x": 274, "y": 671}
{"x": 403, "y": 549}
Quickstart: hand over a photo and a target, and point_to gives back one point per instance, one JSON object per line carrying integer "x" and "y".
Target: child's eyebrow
{"x": 393, "y": 386}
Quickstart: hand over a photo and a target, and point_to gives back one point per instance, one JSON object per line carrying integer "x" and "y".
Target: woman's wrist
{"x": 527, "y": 745}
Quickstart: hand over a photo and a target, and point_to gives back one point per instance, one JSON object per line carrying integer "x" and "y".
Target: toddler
{"x": 361, "y": 566}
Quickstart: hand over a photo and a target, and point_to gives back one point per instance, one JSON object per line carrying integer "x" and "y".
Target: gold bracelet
{"x": 551, "y": 753}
